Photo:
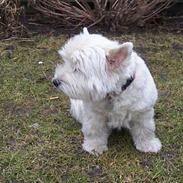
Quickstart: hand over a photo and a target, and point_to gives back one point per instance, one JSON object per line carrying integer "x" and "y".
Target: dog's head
{"x": 91, "y": 66}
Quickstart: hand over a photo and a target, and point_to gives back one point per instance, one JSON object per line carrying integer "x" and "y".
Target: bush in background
{"x": 73, "y": 14}
{"x": 111, "y": 13}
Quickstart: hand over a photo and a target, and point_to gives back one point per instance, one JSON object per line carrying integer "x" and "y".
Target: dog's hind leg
{"x": 142, "y": 129}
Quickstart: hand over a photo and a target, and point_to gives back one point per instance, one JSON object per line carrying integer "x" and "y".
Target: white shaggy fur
{"x": 87, "y": 77}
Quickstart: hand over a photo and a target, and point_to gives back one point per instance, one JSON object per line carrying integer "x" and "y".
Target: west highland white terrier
{"x": 109, "y": 87}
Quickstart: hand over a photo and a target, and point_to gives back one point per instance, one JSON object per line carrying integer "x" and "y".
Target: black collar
{"x": 110, "y": 95}
{"x": 128, "y": 82}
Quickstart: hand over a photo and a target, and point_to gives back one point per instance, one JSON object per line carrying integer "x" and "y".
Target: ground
{"x": 41, "y": 143}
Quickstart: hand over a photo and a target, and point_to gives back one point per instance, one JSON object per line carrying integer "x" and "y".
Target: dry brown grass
{"x": 10, "y": 11}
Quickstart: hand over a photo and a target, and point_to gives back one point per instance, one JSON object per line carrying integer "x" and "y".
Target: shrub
{"x": 110, "y": 13}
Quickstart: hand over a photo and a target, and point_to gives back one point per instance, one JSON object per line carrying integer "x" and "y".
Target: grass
{"x": 41, "y": 143}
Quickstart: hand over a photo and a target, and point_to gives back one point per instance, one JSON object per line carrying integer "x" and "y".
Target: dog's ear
{"x": 85, "y": 31}
{"x": 117, "y": 56}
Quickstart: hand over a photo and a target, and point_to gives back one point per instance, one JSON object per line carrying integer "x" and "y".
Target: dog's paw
{"x": 153, "y": 145}
{"x": 94, "y": 149}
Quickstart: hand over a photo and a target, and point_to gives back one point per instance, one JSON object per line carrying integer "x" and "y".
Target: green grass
{"x": 41, "y": 143}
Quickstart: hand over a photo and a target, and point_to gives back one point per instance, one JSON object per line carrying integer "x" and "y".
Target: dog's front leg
{"x": 142, "y": 129}
{"x": 95, "y": 133}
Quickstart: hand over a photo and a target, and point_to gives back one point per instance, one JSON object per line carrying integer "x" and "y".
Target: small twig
{"x": 54, "y": 98}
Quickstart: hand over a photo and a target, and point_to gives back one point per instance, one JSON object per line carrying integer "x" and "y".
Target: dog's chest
{"x": 117, "y": 103}
{"x": 118, "y": 112}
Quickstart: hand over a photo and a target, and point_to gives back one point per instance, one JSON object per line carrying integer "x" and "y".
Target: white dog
{"x": 109, "y": 87}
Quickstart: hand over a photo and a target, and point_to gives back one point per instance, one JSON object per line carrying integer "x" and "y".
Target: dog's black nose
{"x": 56, "y": 82}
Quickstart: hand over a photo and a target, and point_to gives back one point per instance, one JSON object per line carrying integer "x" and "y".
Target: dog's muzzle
{"x": 56, "y": 82}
